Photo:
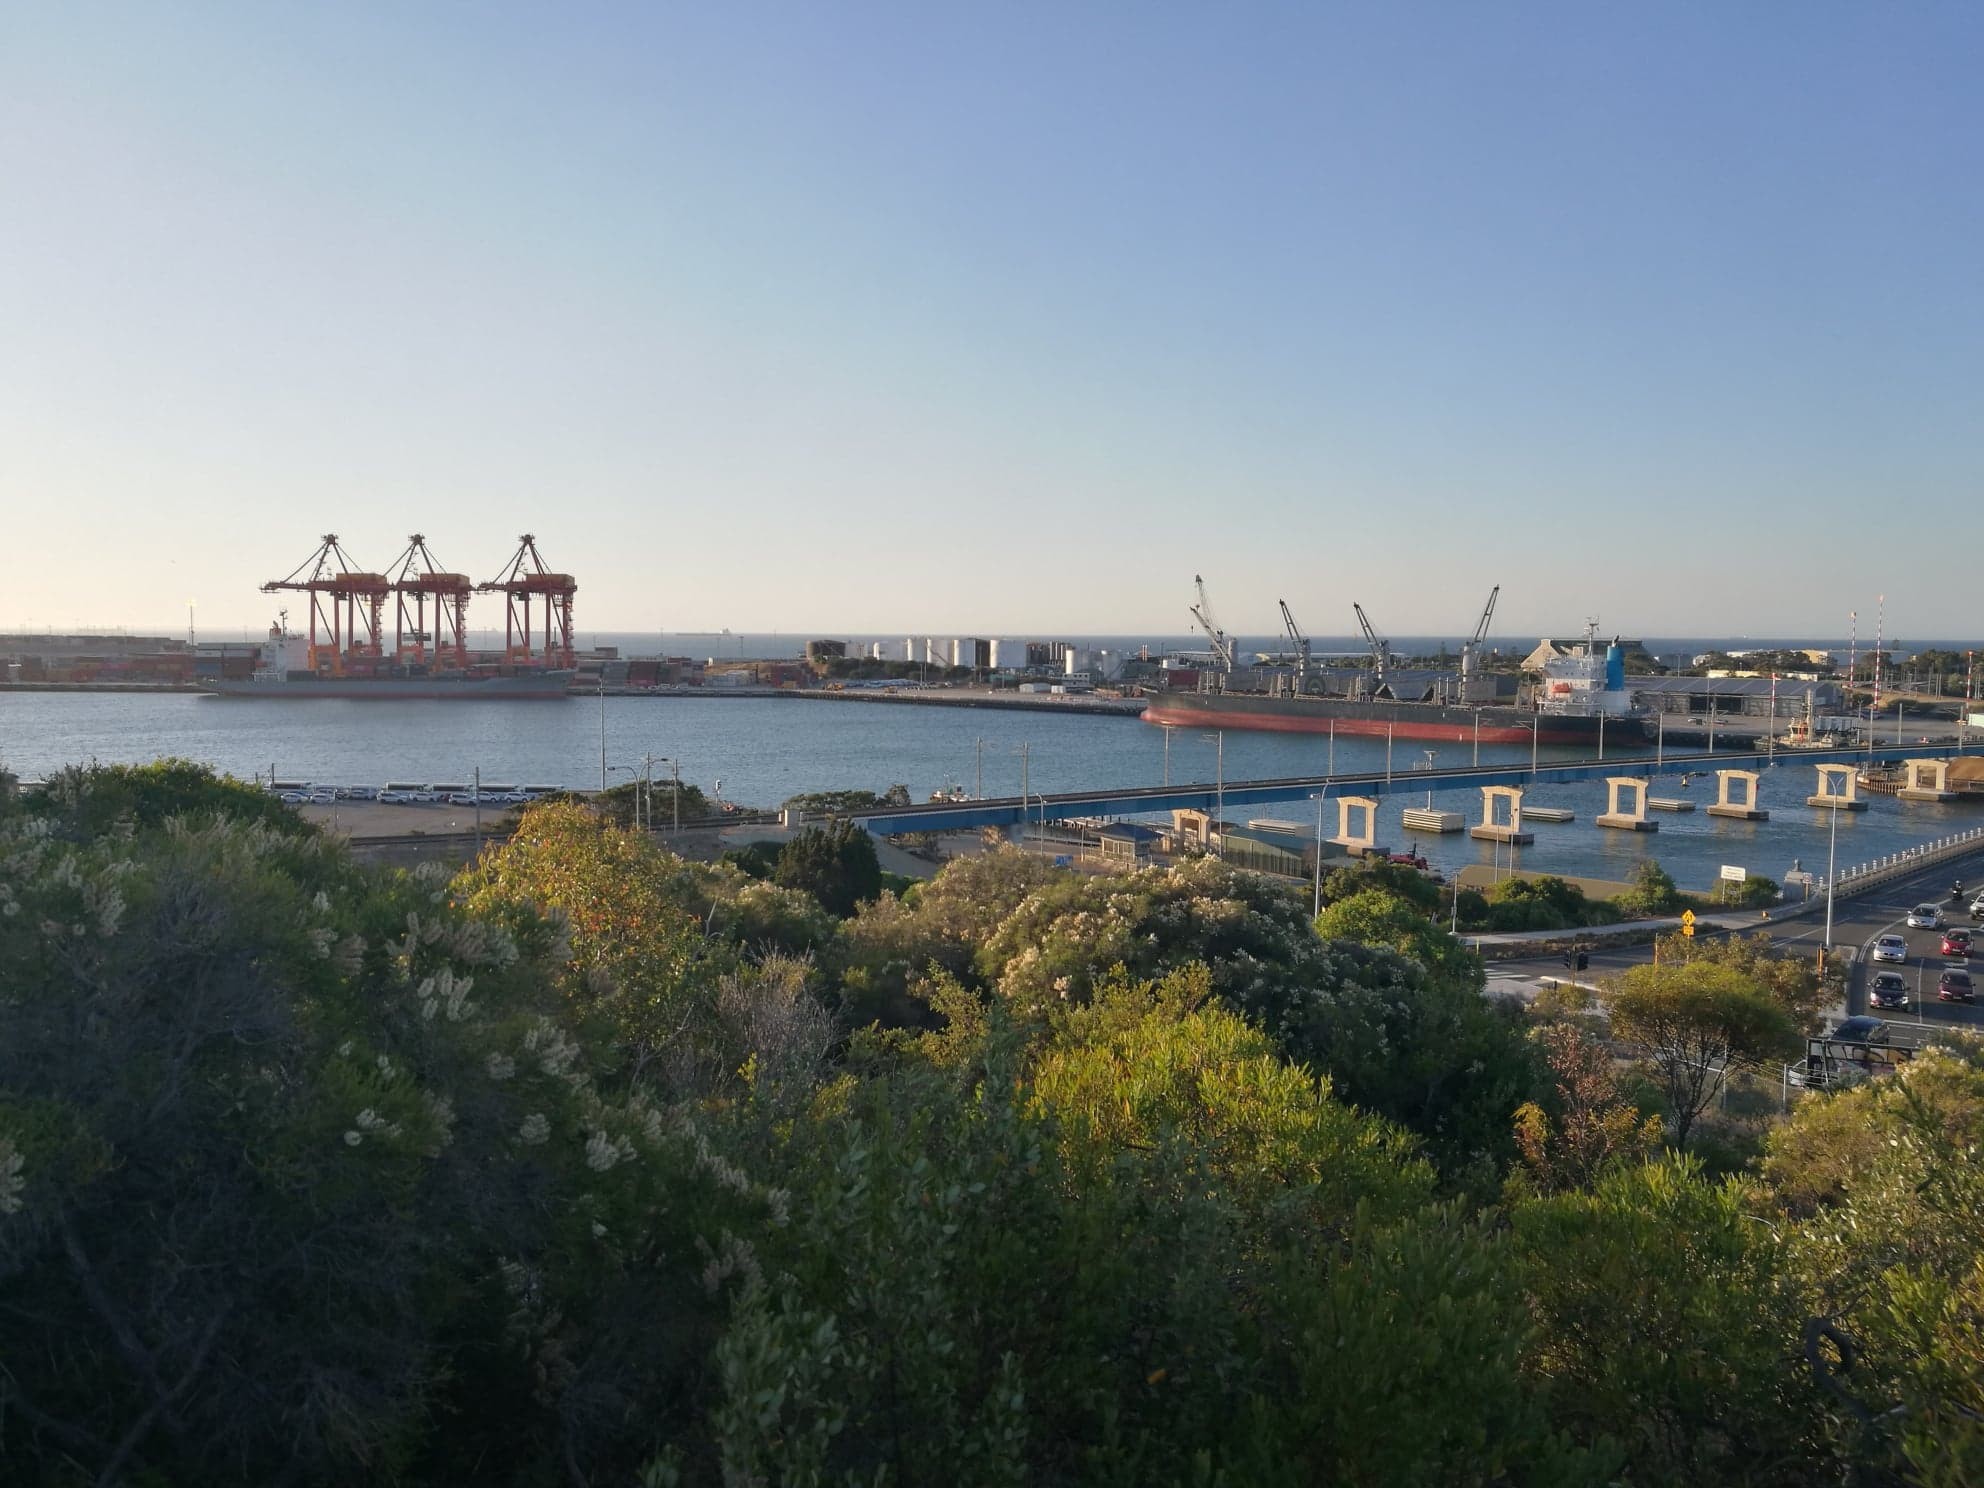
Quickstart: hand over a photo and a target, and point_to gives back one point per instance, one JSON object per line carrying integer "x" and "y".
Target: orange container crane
{"x": 418, "y": 578}
{"x": 346, "y": 604}
{"x": 524, "y": 579}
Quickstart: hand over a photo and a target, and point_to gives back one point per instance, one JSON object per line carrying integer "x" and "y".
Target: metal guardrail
{"x": 1871, "y": 875}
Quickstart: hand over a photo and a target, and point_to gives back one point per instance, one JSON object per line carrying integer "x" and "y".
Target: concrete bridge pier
{"x": 1493, "y": 827}
{"x": 1926, "y": 780}
{"x": 1831, "y": 794}
{"x": 1626, "y": 819}
{"x": 1363, "y": 842}
{"x": 1745, "y": 809}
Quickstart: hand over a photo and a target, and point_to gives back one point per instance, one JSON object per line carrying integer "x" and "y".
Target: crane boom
{"x": 1381, "y": 653}
{"x": 1301, "y": 646}
{"x": 1202, "y": 612}
{"x": 1470, "y": 653}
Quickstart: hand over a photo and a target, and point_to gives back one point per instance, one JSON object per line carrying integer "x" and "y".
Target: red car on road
{"x": 1956, "y": 943}
{"x": 1956, "y": 986}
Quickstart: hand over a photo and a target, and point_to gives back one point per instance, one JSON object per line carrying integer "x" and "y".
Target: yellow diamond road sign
{"x": 1687, "y": 917}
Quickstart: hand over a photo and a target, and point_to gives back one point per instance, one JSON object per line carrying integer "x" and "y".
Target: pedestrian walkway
{"x": 1590, "y": 935}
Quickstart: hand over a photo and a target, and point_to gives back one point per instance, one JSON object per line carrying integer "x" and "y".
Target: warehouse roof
{"x": 1732, "y": 686}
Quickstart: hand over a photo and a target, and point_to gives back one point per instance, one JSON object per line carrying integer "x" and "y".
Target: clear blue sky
{"x": 1002, "y": 317}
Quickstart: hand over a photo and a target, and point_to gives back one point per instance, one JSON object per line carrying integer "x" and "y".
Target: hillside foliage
{"x": 591, "y": 1166}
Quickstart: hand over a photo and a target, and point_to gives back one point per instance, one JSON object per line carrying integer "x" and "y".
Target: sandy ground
{"x": 363, "y": 820}
{"x": 359, "y": 819}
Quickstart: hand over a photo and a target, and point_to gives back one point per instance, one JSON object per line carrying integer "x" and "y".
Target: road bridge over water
{"x": 1009, "y": 811}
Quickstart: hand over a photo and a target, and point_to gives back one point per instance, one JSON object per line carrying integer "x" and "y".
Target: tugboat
{"x": 1804, "y": 733}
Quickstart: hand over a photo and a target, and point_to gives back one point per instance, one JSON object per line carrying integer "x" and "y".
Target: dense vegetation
{"x": 594, "y": 1166}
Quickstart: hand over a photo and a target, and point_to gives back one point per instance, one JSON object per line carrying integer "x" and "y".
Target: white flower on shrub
{"x": 500, "y": 1066}
{"x": 445, "y": 990}
{"x": 536, "y": 1129}
{"x": 604, "y": 1152}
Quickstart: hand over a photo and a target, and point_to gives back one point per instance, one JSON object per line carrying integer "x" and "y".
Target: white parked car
{"x": 1891, "y": 948}
{"x": 1925, "y": 917}
{"x": 294, "y": 798}
{"x": 394, "y": 798}
{"x": 323, "y": 798}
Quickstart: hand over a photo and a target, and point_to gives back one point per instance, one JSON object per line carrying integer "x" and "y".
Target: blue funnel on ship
{"x": 1615, "y": 667}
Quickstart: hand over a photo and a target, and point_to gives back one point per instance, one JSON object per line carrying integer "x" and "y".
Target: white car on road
{"x": 1891, "y": 948}
{"x": 1925, "y": 917}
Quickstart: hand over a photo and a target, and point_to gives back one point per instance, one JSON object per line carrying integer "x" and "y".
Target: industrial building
{"x": 1736, "y": 697}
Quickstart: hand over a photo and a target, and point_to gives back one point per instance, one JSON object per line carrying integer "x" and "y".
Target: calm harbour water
{"x": 764, "y": 750}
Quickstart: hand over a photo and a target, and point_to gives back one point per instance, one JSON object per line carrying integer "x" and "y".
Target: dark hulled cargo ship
{"x": 1433, "y": 722}
{"x": 437, "y": 687}
{"x": 1580, "y": 700}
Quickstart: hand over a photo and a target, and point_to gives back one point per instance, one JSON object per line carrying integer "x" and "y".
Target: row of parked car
{"x": 1889, "y": 989}
{"x": 329, "y": 796}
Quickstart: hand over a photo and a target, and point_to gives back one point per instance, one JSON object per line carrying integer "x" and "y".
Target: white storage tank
{"x": 1008, "y": 655}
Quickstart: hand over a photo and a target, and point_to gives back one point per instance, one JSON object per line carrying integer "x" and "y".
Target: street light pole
{"x": 1832, "y": 857}
{"x": 1026, "y": 760}
{"x": 1317, "y": 912}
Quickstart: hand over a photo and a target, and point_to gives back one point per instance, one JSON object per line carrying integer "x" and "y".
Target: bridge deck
{"x": 1007, "y": 811}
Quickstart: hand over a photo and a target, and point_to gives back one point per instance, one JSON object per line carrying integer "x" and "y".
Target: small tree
{"x": 1593, "y": 1123}
{"x": 835, "y": 864}
{"x": 1653, "y": 891}
{"x": 1791, "y": 980}
{"x": 1696, "y": 1021}
{"x": 1378, "y": 918}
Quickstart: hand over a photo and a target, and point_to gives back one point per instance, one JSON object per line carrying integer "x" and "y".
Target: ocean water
{"x": 760, "y": 751}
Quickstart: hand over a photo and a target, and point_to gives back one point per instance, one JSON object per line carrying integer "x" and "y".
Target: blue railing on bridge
{"x": 1008, "y": 811}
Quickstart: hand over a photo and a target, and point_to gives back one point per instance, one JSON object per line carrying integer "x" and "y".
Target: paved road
{"x": 1855, "y": 924}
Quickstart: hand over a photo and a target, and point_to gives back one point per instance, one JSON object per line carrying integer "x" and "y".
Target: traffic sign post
{"x": 1688, "y": 923}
